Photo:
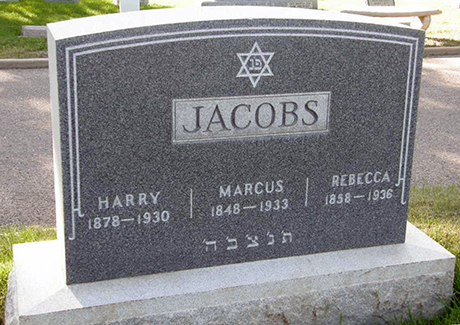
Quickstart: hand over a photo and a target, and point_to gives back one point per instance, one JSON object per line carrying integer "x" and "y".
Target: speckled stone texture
{"x": 264, "y": 180}
{"x": 372, "y": 285}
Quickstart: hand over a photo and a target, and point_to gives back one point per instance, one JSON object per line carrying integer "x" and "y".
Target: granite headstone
{"x": 229, "y": 135}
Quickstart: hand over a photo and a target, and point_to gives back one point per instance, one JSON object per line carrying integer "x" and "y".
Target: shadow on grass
{"x": 38, "y": 12}
{"x": 13, "y": 15}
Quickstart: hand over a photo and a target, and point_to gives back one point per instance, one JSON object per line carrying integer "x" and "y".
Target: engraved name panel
{"x": 209, "y": 119}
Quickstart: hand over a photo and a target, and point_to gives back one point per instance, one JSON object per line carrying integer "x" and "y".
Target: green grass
{"x": 10, "y": 235}
{"x": 35, "y": 12}
{"x": 23, "y": 47}
{"x": 444, "y": 29}
{"x": 435, "y": 210}
{"x": 38, "y": 12}
{"x": 13, "y": 15}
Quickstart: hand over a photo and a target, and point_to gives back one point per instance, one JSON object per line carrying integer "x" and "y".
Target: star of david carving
{"x": 255, "y": 64}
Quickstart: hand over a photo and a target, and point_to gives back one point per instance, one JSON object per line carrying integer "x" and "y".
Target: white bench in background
{"x": 423, "y": 13}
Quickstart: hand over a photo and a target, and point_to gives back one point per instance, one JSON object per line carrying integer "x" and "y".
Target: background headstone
{"x": 141, "y": 2}
{"x": 380, "y": 2}
{"x": 309, "y": 4}
{"x": 129, "y": 5}
{"x": 33, "y": 31}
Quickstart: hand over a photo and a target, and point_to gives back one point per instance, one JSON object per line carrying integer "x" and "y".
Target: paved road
{"x": 437, "y": 147}
{"x": 26, "y": 164}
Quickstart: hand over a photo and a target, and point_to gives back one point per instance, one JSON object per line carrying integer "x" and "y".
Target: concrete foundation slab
{"x": 371, "y": 285}
{"x": 33, "y": 31}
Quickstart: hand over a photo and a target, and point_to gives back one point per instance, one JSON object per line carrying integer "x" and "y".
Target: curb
{"x": 23, "y": 63}
{"x": 441, "y": 51}
{"x": 43, "y": 63}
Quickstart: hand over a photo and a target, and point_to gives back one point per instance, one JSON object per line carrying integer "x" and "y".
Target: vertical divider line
{"x": 191, "y": 203}
{"x": 306, "y": 192}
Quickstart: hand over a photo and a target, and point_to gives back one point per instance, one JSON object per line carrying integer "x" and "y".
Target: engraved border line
{"x": 306, "y": 192}
{"x": 403, "y": 198}
{"x": 350, "y": 31}
{"x": 69, "y": 122}
{"x": 191, "y": 203}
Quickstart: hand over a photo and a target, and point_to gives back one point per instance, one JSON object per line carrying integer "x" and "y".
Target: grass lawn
{"x": 444, "y": 29}
{"x": 13, "y": 15}
{"x": 435, "y": 210}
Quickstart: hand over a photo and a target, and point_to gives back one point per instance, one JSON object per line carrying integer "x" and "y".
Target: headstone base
{"x": 371, "y": 285}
